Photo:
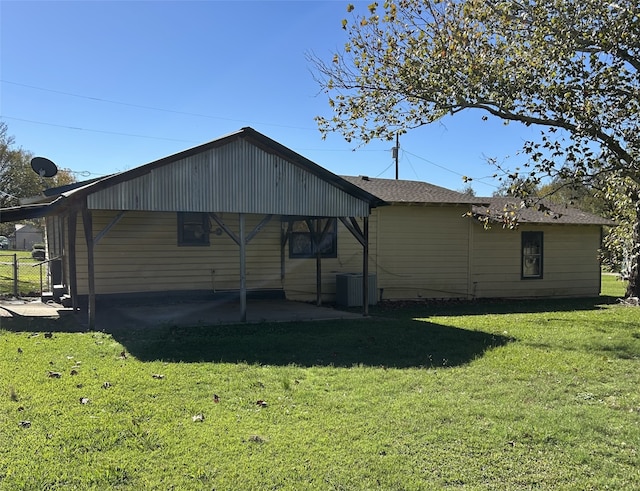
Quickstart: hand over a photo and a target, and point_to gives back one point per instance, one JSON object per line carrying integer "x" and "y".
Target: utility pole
{"x": 396, "y": 151}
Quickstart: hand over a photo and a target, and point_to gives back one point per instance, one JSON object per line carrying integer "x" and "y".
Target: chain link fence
{"x": 22, "y": 276}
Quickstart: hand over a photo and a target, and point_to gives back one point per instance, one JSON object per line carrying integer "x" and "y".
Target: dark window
{"x": 301, "y": 245}
{"x": 193, "y": 229}
{"x": 532, "y": 255}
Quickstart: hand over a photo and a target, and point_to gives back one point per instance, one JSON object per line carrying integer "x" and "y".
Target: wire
{"x": 411, "y": 165}
{"x": 152, "y": 108}
{"x": 387, "y": 168}
{"x": 76, "y": 128}
{"x": 480, "y": 179}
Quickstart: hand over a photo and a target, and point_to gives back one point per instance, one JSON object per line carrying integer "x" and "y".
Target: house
{"x": 214, "y": 218}
{"x": 244, "y": 214}
{"x": 25, "y": 236}
{"x": 553, "y": 252}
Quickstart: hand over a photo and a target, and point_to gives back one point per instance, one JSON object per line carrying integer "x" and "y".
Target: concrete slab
{"x": 217, "y": 313}
{"x": 197, "y": 313}
{"x": 30, "y": 308}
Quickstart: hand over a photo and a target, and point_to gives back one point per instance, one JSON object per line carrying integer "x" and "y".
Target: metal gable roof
{"x": 243, "y": 172}
{"x": 255, "y": 138}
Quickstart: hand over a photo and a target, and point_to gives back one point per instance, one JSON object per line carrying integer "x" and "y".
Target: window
{"x": 301, "y": 245}
{"x": 531, "y": 255}
{"x": 193, "y": 229}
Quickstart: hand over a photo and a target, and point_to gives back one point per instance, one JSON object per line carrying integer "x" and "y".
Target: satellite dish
{"x": 43, "y": 167}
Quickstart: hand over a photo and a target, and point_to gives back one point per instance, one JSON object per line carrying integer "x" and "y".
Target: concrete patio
{"x": 185, "y": 313}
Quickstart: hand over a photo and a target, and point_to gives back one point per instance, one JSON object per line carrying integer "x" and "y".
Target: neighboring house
{"x": 25, "y": 237}
{"x": 245, "y": 214}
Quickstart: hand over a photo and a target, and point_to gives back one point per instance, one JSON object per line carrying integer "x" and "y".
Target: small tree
{"x": 568, "y": 66}
{"x": 17, "y": 178}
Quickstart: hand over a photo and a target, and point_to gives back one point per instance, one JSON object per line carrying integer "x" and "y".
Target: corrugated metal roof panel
{"x": 237, "y": 177}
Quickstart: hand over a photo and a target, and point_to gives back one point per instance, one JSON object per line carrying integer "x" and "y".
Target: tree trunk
{"x": 633, "y": 288}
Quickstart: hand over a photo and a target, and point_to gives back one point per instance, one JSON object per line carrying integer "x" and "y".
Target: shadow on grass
{"x": 392, "y": 338}
{"x": 410, "y": 310}
{"x": 397, "y": 344}
{"x": 375, "y": 342}
{"x": 66, "y": 322}
{"x": 342, "y": 343}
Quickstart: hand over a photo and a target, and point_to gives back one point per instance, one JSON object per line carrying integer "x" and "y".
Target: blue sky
{"x": 101, "y": 87}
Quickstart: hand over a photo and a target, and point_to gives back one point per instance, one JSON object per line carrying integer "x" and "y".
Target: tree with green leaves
{"x": 568, "y": 66}
{"x": 17, "y": 178}
{"x": 592, "y": 198}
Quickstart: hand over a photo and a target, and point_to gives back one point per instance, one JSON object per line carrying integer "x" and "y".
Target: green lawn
{"x": 28, "y": 275}
{"x": 488, "y": 395}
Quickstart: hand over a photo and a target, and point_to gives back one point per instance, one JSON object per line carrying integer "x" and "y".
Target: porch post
{"x": 365, "y": 268}
{"x": 73, "y": 276}
{"x": 316, "y": 242}
{"x": 243, "y": 272}
{"x": 87, "y": 223}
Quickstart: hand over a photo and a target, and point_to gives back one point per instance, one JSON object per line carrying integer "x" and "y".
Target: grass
{"x": 487, "y": 395}
{"x": 28, "y": 275}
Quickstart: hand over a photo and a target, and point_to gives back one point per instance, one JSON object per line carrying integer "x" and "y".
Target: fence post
{"x": 15, "y": 275}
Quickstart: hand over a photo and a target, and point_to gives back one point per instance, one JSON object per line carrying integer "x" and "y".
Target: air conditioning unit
{"x": 349, "y": 289}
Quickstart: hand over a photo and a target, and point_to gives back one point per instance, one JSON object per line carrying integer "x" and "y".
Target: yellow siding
{"x": 415, "y": 251}
{"x": 300, "y": 274}
{"x": 570, "y": 262}
{"x": 423, "y": 252}
{"x": 140, "y": 254}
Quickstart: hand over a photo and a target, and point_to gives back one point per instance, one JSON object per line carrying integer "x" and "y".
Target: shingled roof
{"x": 401, "y": 191}
{"x": 415, "y": 192}
{"x": 540, "y": 212}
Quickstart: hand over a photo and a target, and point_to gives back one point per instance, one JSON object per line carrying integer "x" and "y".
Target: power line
{"x": 151, "y": 108}
{"x": 411, "y": 165}
{"x": 449, "y": 170}
{"x": 76, "y": 128}
{"x": 186, "y": 113}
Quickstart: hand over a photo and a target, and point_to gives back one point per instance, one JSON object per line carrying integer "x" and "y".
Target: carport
{"x": 239, "y": 175}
